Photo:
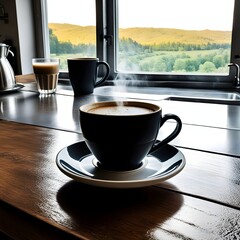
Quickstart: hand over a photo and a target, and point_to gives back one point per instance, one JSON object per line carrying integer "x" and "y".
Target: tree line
{"x": 128, "y": 44}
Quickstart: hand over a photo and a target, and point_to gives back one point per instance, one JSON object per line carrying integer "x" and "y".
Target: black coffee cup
{"x": 121, "y": 134}
{"x": 83, "y": 74}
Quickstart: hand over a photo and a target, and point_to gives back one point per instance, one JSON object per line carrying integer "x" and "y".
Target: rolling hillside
{"x": 146, "y": 36}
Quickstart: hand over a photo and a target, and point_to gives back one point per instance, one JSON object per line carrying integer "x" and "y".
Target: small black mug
{"x": 83, "y": 74}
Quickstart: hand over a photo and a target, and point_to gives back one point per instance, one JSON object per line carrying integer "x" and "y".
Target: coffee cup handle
{"x": 105, "y": 76}
{"x": 170, "y": 137}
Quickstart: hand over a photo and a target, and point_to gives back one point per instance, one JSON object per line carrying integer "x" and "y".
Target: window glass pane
{"x": 72, "y": 29}
{"x": 175, "y": 36}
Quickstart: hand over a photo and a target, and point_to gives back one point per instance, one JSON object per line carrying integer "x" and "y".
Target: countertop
{"x": 37, "y": 201}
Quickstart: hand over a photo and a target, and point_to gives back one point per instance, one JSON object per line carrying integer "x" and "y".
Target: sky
{"x": 182, "y": 14}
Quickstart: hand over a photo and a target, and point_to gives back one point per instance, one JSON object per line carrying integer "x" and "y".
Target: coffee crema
{"x": 120, "y": 110}
{"x": 46, "y": 68}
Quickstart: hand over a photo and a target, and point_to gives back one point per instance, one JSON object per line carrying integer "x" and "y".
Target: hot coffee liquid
{"x": 120, "y": 110}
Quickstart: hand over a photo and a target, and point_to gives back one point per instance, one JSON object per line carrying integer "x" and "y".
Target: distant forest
{"x": 126, "y": 44}
{"x": 161, "y": 57}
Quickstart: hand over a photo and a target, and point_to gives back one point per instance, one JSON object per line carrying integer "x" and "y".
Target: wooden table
{"x": 37, "y": 201}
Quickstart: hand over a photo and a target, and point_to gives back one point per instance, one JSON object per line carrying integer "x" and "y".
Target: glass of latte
{"x": 46, "y": 72}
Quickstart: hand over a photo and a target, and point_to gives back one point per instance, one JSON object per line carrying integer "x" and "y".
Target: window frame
{"x": 107, "y": 35}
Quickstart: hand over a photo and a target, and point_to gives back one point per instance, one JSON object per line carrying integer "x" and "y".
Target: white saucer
{"x": 77, "y": 162}
{"x": 15, "y": 88}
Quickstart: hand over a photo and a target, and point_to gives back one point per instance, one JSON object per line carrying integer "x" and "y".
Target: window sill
{"x": 176, "y": 94}
{"x": 153, "y": 93}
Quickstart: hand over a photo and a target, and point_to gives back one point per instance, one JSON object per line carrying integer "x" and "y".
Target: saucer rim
{"x": 16, "y": 87}
{"x": 123, "y": 183}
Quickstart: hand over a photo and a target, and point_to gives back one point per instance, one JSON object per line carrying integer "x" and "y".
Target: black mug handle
{"x": 105, "y": 76}
{"x": 170, "y": 137}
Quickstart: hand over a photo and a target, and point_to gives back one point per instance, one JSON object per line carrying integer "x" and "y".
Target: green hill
{"x": 146, "y": 36}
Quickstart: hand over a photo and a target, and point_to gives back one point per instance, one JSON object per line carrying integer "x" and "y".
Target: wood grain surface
{"x": 201, "y": 202}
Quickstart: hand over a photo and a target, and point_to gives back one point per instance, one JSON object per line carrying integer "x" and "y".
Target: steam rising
{"x": 125, "y": 80}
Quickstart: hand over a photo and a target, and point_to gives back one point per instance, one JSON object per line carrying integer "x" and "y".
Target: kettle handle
{"x": 9, "y": 51}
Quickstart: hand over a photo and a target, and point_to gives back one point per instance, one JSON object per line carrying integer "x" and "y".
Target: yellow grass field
{"x": 146, "y": 36}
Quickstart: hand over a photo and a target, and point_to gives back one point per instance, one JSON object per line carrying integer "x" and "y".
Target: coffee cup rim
{"x": 83, "y": 58}
{"x": 45, "y": 60}
{"x": 85, "y": 108}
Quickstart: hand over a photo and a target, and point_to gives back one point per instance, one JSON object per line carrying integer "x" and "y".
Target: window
{"x": 174, "y": 36}
{"x": 172, "y": 42}
{"x": 72, "y": 29}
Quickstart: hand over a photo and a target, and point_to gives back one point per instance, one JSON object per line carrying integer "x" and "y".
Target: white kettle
{"x": 7, "y": 77}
